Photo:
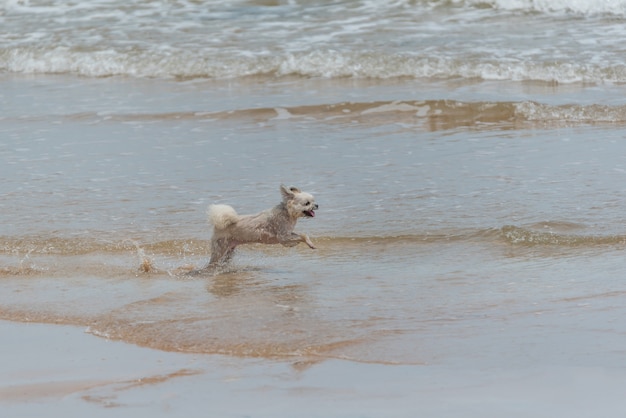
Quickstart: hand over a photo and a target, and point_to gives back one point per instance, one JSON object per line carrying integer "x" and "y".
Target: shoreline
{"x": 60, "y": 370}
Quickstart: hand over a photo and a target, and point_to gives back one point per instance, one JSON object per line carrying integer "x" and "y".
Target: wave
{"x": 581, "y": 7}
{"x": 318, "y": 63}
{"x": 431, "y": 115}
{"x": 436, "y": 114}
{"x": 525, "y": 236}
{"x": 54, "y": 245}
{"x": 364, "y": 39}
{"x": 553, "y": 234}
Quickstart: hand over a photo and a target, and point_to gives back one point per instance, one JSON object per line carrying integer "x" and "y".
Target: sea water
{"x": 468, "y": 159}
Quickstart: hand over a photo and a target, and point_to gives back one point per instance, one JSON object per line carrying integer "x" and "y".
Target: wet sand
{"x": 62, "y": 371}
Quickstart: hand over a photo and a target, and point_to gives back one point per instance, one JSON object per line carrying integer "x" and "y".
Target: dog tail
{"x": 222, "y": 216}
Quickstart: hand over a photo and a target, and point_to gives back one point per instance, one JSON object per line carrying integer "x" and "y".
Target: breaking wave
{"x": 589, "y": 7}
{"x": 516, "y": 235}
{"x": 544, "y": 234}
{"x": 581, "y": 7}
{"x": 431, "y": 115}
{"x": 444, "y": 39}
{"x": 318, "y": 63}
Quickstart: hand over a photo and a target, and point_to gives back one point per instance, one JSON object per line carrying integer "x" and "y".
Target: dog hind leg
{"x": 221, "y": 251}
{"x": 229, "y": 254}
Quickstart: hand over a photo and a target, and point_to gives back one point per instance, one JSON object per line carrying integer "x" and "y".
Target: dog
{"x": 272, "y": 226}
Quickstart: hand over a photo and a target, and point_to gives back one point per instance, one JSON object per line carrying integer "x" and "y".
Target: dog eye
{"x": 307, "y": 203}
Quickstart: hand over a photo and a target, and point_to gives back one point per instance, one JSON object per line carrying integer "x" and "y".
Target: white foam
{"x": 327, "y": 64}
{"x": 392, "y": 107}
{"x": 540, "y": 112}
{"x": 585, "y": 7}
{"x": 282, "y": 113}
{"x": 368, "y": 39}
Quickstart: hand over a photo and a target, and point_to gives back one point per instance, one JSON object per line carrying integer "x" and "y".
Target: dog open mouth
{"x": 309, "y": 213}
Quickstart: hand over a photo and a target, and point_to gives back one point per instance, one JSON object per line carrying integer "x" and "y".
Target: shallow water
{"x": 448, "y": 231}
{"x": 473, "y": 214}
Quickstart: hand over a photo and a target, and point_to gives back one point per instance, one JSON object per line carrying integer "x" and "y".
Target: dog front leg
{"x": 307, "y": 241}
{"x": 294, "y": 239}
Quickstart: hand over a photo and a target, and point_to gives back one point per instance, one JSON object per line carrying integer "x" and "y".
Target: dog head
{"x": 299, "y": 204}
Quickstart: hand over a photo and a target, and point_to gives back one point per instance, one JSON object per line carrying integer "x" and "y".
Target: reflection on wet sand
{"x": 230, "y": 284}
{"x": 113, "y": 389}
{"x": 242, "y": 311}
{"x": 59, "y": 389}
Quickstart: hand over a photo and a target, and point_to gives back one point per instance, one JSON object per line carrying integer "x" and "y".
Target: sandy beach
{"x": 60, "y": 371}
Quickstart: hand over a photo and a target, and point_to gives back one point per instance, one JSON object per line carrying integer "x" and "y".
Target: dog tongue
{"x": 311, "y": 213}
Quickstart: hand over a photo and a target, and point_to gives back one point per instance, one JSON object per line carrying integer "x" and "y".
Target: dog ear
{"x": 288, "y": 193}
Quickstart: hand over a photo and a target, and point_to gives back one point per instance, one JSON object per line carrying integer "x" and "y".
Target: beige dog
{"x": 272, "y": 226}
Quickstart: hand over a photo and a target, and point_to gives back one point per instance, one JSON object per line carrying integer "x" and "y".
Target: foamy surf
{"x": 366, "y": 40}
{"x": 324, "y": 64}
{"x": 582, "y": 7}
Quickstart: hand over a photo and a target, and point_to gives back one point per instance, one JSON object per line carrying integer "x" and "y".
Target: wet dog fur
{"x": 272, "y": 226}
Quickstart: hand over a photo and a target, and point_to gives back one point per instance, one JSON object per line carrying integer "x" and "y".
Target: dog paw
{"x": 308, "y": 242}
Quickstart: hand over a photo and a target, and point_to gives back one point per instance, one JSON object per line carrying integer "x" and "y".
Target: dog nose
{"x": 317, "y": 206}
